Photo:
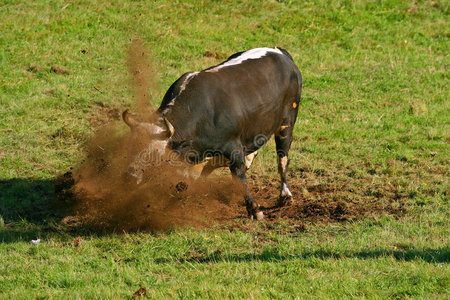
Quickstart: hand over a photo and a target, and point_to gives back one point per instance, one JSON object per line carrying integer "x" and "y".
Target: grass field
{"x": 374, "y": 117}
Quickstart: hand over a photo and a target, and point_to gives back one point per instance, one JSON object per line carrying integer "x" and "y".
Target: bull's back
{"x": 236, "y": 101}
{"x": 251, "y": 99}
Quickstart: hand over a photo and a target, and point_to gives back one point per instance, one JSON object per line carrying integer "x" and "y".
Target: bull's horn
{"x": 169, "y": 127}
{"x": 128, "y": 119}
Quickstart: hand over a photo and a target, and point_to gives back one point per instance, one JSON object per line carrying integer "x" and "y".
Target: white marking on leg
{"x": 282, "y": 164}
{"x": 195, "y": 170}
{"x": 249, "y": 159}
{"x": 259, "y": 215}
{"x": 250, "y": 54}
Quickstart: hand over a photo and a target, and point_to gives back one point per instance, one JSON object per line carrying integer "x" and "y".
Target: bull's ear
{"x": 170, "y": 128}
{"x": 129, "y": 120}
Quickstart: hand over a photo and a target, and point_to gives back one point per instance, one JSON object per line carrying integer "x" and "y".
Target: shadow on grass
{"x": 27, "y": 199}
{"x": 441, "y": 255}
{"x": 29, "y": 209}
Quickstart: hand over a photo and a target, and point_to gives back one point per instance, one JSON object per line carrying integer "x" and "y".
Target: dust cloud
{"x": 104, "y": 195}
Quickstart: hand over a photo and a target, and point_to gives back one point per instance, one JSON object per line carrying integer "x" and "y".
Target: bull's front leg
{"x": 238, "y": 169}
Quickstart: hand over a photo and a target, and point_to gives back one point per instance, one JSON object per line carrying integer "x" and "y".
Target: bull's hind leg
{"x": 283, "y": 142}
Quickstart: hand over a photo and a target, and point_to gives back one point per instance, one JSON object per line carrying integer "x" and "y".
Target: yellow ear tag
{"x": 294, "y": 105}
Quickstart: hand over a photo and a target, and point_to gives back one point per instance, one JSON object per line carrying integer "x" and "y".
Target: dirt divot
{"x": 58, "y": 70}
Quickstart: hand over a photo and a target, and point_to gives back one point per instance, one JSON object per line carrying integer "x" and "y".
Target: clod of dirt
{"x": 216, "y": 55}
{"x": 58, "y": 70}
{"x": 140, "y": 292}
{"x": 412, "y": 9}
{"x": 77, "y": 241}
{"x": 34, "y": 68}
{"x": 83, "y": 51}
{"x": 181, "y": 186}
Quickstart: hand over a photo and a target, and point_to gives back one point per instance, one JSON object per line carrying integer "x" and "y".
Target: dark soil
{"x": 331, "y": 202}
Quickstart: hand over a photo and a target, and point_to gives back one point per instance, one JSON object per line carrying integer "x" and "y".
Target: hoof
{"x": 285, "y": 201}
{"x": 259, "y": 216}
{"x": 254, "y": 212}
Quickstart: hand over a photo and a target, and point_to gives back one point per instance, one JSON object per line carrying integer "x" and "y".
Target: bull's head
{"x": 148, "y": 143}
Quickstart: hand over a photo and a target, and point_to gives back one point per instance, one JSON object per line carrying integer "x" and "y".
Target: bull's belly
{"x": 194, "y": 171}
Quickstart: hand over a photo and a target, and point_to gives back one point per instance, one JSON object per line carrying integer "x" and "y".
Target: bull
{"x": 226, "y": 113}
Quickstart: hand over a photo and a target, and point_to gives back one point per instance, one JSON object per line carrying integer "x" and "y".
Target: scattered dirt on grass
{"x": 103, "y": 114}
{"x": 2, "y": 154}
{"x": 338, "y": 200}
{"x": 104, "y": 197}
{"x": 214, "y": 54}
{"x": 58, "y": 70}
{"x": 34, "y": 68}
{"x": 412, "y": 9}
{"x": 49, "y": 92}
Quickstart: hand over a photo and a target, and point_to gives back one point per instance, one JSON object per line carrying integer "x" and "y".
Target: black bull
{"x": 230, "y": 111}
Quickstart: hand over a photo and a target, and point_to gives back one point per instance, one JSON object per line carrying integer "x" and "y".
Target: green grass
{"x": 375, "y": 113}
{"x": 371, "y": 259}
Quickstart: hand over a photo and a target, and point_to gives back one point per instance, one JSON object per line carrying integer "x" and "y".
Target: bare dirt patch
{"x": 337, "y": 201}
{"x": 102, "y": 197}
{"x": 58, "y": 70}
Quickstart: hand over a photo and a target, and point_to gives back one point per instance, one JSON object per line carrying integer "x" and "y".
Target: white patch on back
{"x": 186, "y": 81}
{"x": 250, "y": 54}
{"x": 182, "y": 88}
